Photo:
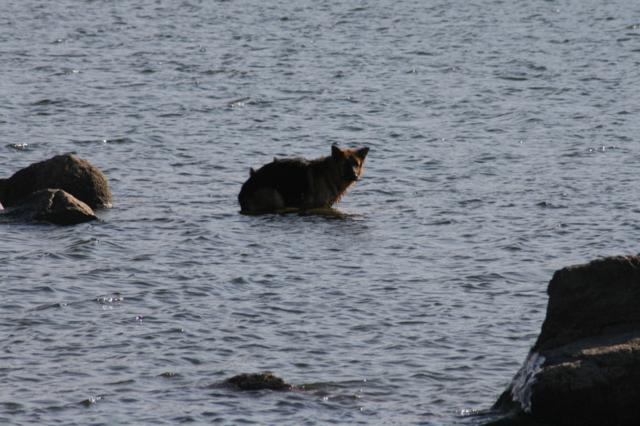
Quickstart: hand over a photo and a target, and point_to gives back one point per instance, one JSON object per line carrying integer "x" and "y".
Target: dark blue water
{"x": 504, "y": 145}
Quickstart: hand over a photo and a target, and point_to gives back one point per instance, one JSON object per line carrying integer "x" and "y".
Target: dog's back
{"x": 279, "y": 184}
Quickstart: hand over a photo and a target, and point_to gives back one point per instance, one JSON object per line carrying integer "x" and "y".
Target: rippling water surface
{"x": 504, "y": 146}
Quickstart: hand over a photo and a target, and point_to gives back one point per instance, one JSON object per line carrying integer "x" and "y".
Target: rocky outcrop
{"x": 584, "y": 369}
{"x": 257, "y": 381}
{"x": 50, "y": 205}
{"x": 62, "y": 190}
{"x": 67, "y": 172}
{"x": 3, "y": 183}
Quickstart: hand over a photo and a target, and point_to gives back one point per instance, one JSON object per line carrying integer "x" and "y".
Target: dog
{"x": 301, "y": 185}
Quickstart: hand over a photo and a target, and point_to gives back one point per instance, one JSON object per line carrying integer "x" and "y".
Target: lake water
{"x": 504, "y": 145}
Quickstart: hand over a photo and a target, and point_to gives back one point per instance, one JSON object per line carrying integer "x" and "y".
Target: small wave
{"x": 20, "y": 146}
{"x": 112, "y": 141}
{"x": 601, "y": 149}
{"x": 421, "y": 53}
{"x": 11, "y": 407}
{"x": 522, "y": 77}
{"x": 47, "y": 102}
{"x": 239, "y": 103}
{"x": 110, "y": 299}
{"x": 92, "y": 400}
{"x": 548, "y": 205}
{"x": 47, "y": 306}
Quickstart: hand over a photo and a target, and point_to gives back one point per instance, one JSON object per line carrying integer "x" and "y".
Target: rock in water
{"x": 67, "y": 172}
{"x": 2, "y": 187}
{"x": 51, "y": 205}
{"x": 257, "y": 381}
{"x": 584, "y": 369}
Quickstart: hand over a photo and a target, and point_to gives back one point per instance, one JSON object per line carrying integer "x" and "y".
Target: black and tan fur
{"x": 300, "y": 184}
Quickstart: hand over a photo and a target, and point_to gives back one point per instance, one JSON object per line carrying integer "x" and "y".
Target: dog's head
{"x": 350, "y": 161}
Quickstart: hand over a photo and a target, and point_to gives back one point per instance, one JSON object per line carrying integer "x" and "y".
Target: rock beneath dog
{"x": 50, "y": 205}
{"x": 584, "y": 369}
{"x": 257, "y": 381}
{"x": 67, "y": 172}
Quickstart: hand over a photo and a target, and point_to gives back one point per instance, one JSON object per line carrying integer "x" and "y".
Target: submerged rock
{"x": 257, "y": 381}
{"x": 584, "y": 369}
{"x": 76, "y": 176}
{"x": 50, "y": 205}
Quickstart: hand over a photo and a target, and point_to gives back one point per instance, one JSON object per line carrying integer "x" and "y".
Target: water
{"x": 503, "y": 142}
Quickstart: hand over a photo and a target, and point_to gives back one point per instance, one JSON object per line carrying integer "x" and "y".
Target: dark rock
{"x": 257, "y": 381}
{"x": 76, "y": 176}
{"x": 50, "y": 205}
{"x": 590, "y": 300}
{"x": 584, "y": 369}
{"x": 3, "y": 183}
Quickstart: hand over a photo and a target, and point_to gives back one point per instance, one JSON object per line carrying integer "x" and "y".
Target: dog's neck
{"x": 333, "y": 180}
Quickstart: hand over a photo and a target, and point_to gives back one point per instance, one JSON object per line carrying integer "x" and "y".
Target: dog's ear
{"x": 251, "y": 171}
{"x": 362, "y": 152}
{"x": 336, "y": 152}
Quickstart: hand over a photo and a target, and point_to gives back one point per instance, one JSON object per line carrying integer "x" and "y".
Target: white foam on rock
{"x": 524, "y": 380}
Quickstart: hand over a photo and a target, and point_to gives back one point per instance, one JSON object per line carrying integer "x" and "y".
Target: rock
{"x": 2, "y": 186}
{"x": 257, "y": 381}
{"x": 584, "y": 369}
{"x": 67, "y": 172}
{"x": 50, "y": 205}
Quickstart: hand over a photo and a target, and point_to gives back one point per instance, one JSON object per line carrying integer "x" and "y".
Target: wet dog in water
{"x": 300, "y": 184}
